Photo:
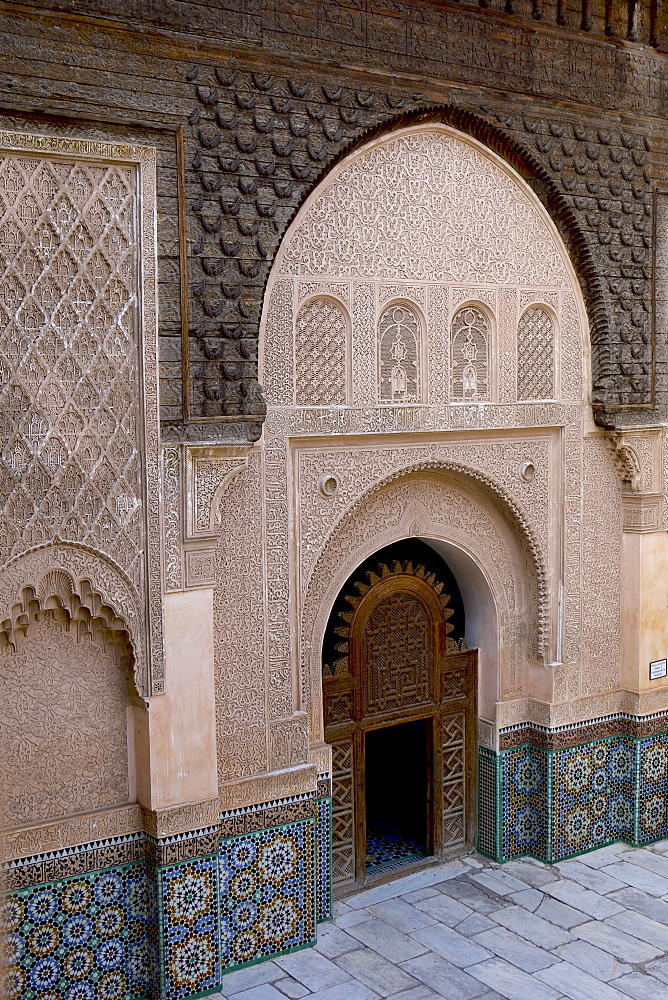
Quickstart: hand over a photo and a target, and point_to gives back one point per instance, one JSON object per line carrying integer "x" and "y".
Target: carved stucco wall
{"x": 239, "y": 631}
{"x": 437, "y": 505}
{"x": 78, "y": 395}
{"x": 260, "y": 141}
{"x": 424, "y": 206}
{"x": 431, "y": 219}
{"x": 64, "y": 722}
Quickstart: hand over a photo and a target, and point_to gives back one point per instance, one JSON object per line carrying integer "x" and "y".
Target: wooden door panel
{"x": 397, "y": 654}
{"x": 343, "y": 812}
{"x": 453, "y": 749}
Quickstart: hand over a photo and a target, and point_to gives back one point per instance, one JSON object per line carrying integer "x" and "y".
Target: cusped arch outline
{"x": 331, "y": 570}
{"x": 88, "y": 585}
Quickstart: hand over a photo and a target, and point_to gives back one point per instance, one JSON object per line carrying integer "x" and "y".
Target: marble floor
{"x": 595, "y": 928}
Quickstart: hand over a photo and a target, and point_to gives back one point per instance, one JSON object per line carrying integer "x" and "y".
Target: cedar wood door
{"x": 400, "y": 666}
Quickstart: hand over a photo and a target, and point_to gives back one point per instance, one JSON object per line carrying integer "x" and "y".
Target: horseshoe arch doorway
{"x": 400, "y": 697}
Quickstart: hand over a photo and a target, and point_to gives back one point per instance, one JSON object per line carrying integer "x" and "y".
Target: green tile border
{"x": 330, "y": 887}
{"x": 549, "y": 806}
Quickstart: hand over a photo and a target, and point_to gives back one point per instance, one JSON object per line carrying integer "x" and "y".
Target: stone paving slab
{"x": 444, "y": 909}
{"x": 291, "y": 988}
{"x": 444, "y": 977}
{"x": 592, "y": 928}
{"x": 376, "y": 972}
{"x": 623, "y": 946}
{"x": 515, "y": 950}
{"x": 532, "y": 927}
{"x": 387, "y": 940}
{"x": 406, "y": 917}
{"x": 577, "y": 984}
{"x": 639, "y": 877}
{"x": 511, "y": 982}
{"x": 452, "y": 946}
{"x": 582, "y": 899}
{"x": 591, "y": 959}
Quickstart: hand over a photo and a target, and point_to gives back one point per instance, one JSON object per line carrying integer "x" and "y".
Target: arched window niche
{"x": 470, "y": 354}
{"x": 400, "y": 354}
{"x": 536, "y": 353}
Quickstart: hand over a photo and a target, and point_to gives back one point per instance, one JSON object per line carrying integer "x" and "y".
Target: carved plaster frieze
{"x": 94, "y": 579}
{"x": 172, "y": 484}
{"x": 195, "y": 479}
{"x": 321, "y": 755}
{"x": 299, "y": 780}
{"x": 440, "y": 504}
{"x": 637, "y": 453}
{"x": 335, "y": 289}
{"x": 180, "y": 819}
{"x": 597, "y": 706}
{"x": 64, "y": 833}
{"x": 641, "y": 512}
{"x": 486, "y": 734}
{"x": 210, "y": 471}
{"x": 518, "y": 471}
{"x": 200, "y": 566}
{"x": 239, "y": 608}
{"x": 324, "y": 421}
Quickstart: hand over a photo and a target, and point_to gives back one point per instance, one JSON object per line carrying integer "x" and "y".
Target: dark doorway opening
{"x": 398, "y": 785}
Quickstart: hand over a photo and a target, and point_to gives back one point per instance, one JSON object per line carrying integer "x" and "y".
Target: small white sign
{"x": 658, "y": 668}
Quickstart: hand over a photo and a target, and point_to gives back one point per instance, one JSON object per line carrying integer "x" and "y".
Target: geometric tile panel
{"x": 267, "y": 893}
{"x": 555, "y": 804}
{"x": 594, "y": 788}
{"x": 525, "y": 827}
{"x": 653, "y": 804}
{"x": 188, "y": 896}
{"x": 82, "y": 938}
{"x": 323, "y": 860}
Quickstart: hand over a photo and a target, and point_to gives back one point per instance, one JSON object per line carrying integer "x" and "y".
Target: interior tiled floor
{"x": 387, "y": 849}
{"x": 595, "y": 928}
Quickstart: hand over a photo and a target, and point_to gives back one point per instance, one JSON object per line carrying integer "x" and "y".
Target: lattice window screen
{"x": 454, "y": 780}
{"x": 399, "y": 355}
{"x": 320, "y": 354}
{"x": 535, "y": 355}
{"x": 470, "y": 355}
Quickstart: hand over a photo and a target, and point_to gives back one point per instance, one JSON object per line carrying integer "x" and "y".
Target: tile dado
{"x": 556, "y": 803}
{"x": 267, "y": 891}
{"x": 169, "y": 925}
{"x": 89, "y": 937}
